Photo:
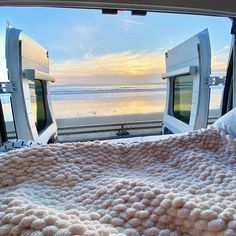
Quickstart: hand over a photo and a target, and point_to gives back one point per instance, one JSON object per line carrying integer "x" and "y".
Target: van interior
{"x": 117, "y": 118}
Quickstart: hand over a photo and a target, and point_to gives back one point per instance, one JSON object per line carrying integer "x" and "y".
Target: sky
{"x": 86, "y": 47}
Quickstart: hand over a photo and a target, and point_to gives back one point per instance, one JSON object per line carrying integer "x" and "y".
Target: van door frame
{"x": 229, "y": 94}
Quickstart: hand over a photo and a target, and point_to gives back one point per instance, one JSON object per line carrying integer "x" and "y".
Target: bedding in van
{"x": 183, "y": 185}
{"x": 227, "y": 122}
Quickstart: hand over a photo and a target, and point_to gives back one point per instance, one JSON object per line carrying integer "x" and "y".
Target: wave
{"x": 104, "y": 90}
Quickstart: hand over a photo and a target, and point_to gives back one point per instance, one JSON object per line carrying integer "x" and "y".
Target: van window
{"x": 216, "y": 93}
{"x": 183, "y": 89}
{"x": 37, "y": 104}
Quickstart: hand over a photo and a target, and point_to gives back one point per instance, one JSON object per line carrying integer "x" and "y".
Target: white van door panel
{"x": 187, "y": 74}
{"x": 31, "y": 103}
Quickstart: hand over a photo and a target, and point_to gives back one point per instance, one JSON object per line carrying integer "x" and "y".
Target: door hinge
{"x": 216, "y": 80}
{"x": 7, "y": 87}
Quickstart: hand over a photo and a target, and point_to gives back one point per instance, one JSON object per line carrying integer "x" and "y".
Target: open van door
{"x": 28, "y": 74}
{"x": 188, "y": 73}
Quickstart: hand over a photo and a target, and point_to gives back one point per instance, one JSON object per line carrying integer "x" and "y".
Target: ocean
{"x": 127, "y": 101}
{"x": 87, "y": 101}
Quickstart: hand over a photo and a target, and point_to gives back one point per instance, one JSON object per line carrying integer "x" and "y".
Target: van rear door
{"x": 28, "y": 73}
{"x": 188, "y": 68}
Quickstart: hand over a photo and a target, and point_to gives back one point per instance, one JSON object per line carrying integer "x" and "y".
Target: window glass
{"x": 37, "y": 103}
{"x": 183, "y": 86}
{"x": 216, "y": 93}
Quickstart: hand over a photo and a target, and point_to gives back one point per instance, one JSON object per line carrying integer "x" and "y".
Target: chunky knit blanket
{"x": 180, "y": 186}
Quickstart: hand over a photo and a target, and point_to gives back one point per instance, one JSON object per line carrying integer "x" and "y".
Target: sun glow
{"x": 125, "y": 63}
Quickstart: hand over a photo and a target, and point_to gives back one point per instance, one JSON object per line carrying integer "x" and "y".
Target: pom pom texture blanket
{"x": 184, "y": 185}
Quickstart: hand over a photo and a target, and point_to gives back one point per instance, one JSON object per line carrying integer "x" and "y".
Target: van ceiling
{"x": 205, "y": 7}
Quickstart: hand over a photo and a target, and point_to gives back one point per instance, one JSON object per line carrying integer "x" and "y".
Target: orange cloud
{"x": 219, "y": 61}
{"x": 125, "y": 63}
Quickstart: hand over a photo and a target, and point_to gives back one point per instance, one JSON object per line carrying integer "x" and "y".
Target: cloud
{"x": 219, "y": 61}
{"x": 75, "y": 40}
{"x": 130, "y": 24}
{"x": 133, "y": 22}
{"x": 126, "y": 63}
{"x": 85, "y": 31}
{"x": 123, "y": 66}
{"x": 58, "y": 47}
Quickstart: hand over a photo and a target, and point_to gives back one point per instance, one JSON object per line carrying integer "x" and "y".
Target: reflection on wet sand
{"x": 108, "y": 107}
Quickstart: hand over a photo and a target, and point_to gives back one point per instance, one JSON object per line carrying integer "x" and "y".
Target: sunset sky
{"x": 88, "y": 47}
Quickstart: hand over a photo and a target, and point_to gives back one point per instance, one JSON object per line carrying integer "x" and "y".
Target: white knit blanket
{"x": 180, "y": 186}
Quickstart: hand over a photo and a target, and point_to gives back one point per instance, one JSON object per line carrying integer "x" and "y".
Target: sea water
{"x": 86, "y": 101}
{"x": 106, "y": 101}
